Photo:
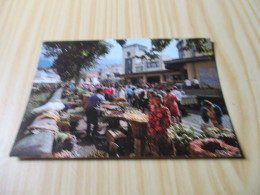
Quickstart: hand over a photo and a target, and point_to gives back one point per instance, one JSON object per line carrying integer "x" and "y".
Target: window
{"x": 128, "y": 54}
{"x": 152, "y": 64}
{"x": 138, "y": 68}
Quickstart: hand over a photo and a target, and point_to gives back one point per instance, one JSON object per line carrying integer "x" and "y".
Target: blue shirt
{"x": 218, "y": 114}
{"x": 95, "y": 100}
{"x": 72, "y": 87}
{"x": 129, "y": 91}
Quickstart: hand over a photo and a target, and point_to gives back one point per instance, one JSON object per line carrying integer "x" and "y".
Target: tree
{"x": 71, "y": 57}
{"x": 158, "y": 45}
{"x": 201, "y": 45}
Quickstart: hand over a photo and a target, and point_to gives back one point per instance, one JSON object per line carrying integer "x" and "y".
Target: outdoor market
{"x": 122, "y": 122}
{"x": 131, "y": 98}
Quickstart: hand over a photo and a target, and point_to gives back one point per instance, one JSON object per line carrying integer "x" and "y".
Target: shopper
{"x": 92, "y": 111}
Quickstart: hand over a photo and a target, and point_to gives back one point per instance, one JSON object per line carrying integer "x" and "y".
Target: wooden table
{"x": 139, "y": 131}
{"x": 234, "y": 27}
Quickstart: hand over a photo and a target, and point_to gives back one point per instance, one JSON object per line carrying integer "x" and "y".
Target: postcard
{"x": 126, "y": 99}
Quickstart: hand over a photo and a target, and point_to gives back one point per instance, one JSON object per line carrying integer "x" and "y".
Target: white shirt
{"x": 145, "y": 94}
{"x": 187, "y": 82}
{"x": 122, "y": 93}
{"x": 195, "y": 81}
{"x": 177, "y": 94}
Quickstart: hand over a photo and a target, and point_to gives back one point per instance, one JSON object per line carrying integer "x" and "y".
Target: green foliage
{"x": 158, "y": 45}
{"x": 71, "y": 57}
{"x": 200, "y": 45}
{"x": 121, "y": 42}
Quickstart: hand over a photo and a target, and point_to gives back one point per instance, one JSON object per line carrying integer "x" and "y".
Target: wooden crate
{"x": 116, "y": 136}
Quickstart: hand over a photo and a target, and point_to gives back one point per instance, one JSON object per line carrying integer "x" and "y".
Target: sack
{"x": 34, "y": 145}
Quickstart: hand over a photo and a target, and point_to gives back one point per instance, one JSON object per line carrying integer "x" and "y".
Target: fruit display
{"x": 63, "y": 154}
{"x": 109, "y": 113}
{"x": 110, "y": 107}
{"x": 98, "y": 154}
{"x": 119, "y": 99}
{"x": 138, "y": 117}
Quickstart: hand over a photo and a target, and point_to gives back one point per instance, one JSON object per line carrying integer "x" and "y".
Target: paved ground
{"x": 195, "y": 120}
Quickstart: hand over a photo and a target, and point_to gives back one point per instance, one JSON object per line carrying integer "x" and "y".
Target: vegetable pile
{"x": 183, "y": 136}
{"x": 98, "y": 154}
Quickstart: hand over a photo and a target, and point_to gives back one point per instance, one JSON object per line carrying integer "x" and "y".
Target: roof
{"x": 146, "y": 73}
{"x": 183, "y": 61}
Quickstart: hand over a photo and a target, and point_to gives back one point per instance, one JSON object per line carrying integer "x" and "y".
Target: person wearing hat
{"x": 158, "y": 122}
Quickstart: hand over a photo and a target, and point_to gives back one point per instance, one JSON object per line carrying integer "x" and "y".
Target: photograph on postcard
{"x": 126, "y": 99}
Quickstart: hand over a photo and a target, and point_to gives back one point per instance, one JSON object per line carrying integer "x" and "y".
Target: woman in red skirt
{"x": 171, "y": 104}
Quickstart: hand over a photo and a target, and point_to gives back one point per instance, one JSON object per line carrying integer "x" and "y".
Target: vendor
{"x": 159, "y": 121}
{"x": 63, "y": 141}
{"x": 92, "y": 111}
{"x": 212, "y": 112}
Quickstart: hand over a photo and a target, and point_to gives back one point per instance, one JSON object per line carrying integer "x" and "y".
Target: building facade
{"x": 138, "y": 69}
{"x": 192, "y": 64}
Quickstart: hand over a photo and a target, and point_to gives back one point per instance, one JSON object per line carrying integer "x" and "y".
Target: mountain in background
{"x": 45, "y": 63}
{"x": 104, "y": 62}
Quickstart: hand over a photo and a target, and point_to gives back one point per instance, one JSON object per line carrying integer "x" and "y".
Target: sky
{"x": 115, "y": 54}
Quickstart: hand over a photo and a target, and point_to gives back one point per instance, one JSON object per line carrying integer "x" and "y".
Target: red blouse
{"x": 159, "y": 119}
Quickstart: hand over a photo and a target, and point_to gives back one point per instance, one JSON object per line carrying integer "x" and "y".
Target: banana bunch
{"x": 140, "y": 117}
{"x": 118, "y": 99}
{"x": 98, "y": 154}
{"x": 63, "y": 154}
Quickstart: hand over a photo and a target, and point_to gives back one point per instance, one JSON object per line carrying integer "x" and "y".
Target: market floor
{"x": 195, "y": 120}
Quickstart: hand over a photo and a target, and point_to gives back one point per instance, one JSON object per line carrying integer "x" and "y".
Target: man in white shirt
{"x": 177, "y": 93}
{"x": 196, "y": 82}
{"x": 187, "y": 83}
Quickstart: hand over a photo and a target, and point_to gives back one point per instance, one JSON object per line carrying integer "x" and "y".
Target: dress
{"x": 159, "y": 121}
{"x": 171, "y": 103}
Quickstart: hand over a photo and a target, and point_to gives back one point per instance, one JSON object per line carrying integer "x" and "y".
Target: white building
{"x": 111, "y": 71}
{"x": 137, "y": 69}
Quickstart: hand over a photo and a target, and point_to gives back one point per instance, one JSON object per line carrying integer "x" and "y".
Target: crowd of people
{"x": 163, "y": 107}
